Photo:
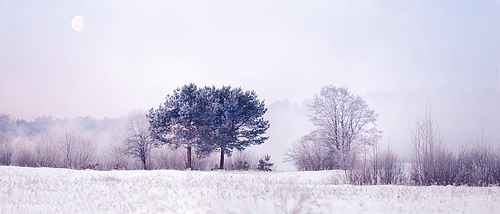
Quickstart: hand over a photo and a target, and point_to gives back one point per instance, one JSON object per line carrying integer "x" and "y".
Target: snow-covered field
{"x": 46, "y": 190}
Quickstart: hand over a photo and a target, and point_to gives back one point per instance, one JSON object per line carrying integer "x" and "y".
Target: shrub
{"x": 265, "y": 164}
{"x": 390, "y": 168}
{"x": 241, "y": 161}
{"x": 309, "y": 154}
{"x": 166, "y": 157}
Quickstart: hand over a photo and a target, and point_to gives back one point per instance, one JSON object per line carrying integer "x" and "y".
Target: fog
{"x": 465, "y": 117}
{"x": 399, "y": 56}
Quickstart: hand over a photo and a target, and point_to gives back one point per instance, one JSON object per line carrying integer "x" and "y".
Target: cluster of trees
{"x": 209, "y": 119}
{"x": 345, "y": 137}
{"x": 72, "y": 143}
{"x": 204, "y": 119}
{"x": 102, "y": 144}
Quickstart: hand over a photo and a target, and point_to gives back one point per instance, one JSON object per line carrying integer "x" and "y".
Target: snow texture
{"x": 48, "y": 190}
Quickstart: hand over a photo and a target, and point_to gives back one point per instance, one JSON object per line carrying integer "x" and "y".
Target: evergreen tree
{"x": 181, "y": 119}
{"x": 265, "y": 165}
{"x": 236, "y": 121}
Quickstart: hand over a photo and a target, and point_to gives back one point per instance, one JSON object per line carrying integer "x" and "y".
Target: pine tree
{"x": 181, "y": 120}
{"x": 236, "y": 121}
{"x": 265, "y": 165}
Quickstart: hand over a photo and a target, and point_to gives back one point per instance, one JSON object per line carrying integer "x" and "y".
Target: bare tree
{"x": 425, "y": 136}
{"x": 431, "y": 162}
{"x": 341, "y": 119}
{"x": 67, "y": 146}
{"x": 77, "y": 151}
{"x": 365, "y": 169}
{"x": 138, "y": 139}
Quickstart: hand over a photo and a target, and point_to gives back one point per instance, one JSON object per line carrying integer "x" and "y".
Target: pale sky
{"x": 130, "y": 54}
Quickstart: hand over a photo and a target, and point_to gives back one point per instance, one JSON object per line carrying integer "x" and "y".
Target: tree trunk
{"x": 221, "y": 166}
{"x": 144, "y": 164}
{"x": 188, "y": 157}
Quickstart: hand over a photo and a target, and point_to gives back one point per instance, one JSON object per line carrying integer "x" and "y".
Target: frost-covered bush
{"x": 308, "y": 154}
{"x": 363, "y": 171}
{"x": 390, "y": 168}
{"x": 166, "y": 157}
{"x": 445, "y": 168}
{"x": 479, "y": 166}
{"x": 114, "y": 157}
{"x": 241, "y": 161}
{"x": 377, "y": 168}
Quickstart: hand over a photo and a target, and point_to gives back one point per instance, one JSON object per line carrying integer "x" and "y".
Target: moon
{"x": 78, "y": 23}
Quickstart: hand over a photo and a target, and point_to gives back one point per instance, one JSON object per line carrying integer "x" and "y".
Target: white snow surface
{"x": 48, "y": 190}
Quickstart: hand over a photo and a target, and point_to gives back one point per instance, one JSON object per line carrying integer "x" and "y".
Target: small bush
{"x": 479, "y": 166}
{"x": 167, "y": 157}
{"x": 308, "y": 154}
{"x": 265, "y": 164}
{"x": 241, "y": 161}
{"x": 390, "y": 169}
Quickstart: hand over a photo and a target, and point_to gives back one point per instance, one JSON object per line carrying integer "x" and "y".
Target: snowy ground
{"x": 46, "y": 190}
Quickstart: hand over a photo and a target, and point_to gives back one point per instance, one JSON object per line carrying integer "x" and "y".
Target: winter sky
{"x": 130, "y": 54}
